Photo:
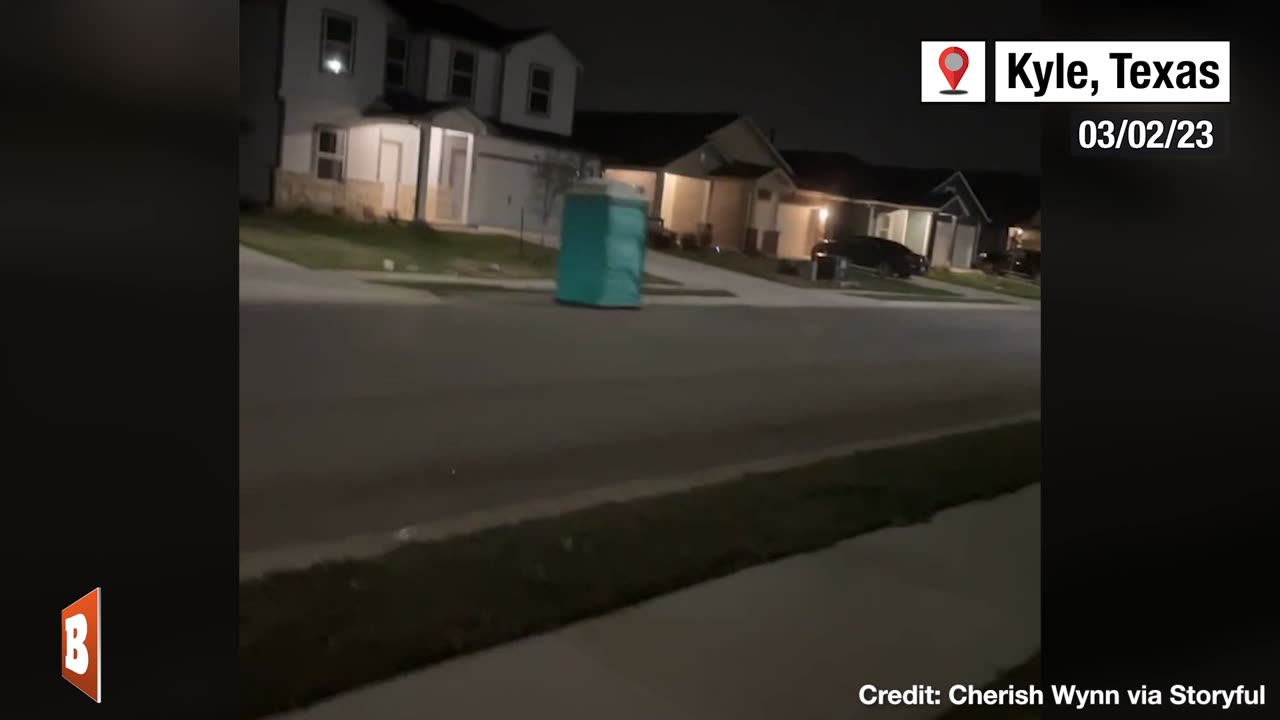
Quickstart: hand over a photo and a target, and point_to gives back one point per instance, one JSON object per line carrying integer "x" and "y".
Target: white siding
{"x": 739, "y": 141}
{"x": 547, "y": 51}
{"x": 302, "y": 83}
{"x": 696, "y": 163}
{"x": 485, "y": 82}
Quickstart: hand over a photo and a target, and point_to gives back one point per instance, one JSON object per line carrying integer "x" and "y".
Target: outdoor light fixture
{"x": 822, "y": 214}
{"x": 334, "y": 65}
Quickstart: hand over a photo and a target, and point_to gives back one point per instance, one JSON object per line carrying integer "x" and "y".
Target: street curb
{"x": 263, "y": 562}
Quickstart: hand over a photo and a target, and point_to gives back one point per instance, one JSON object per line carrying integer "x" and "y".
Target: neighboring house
{"x": 423, "y": 110}
{"x": 937, "y": 213}
{"x": 1026, "y": 234}
{"x": 1011, "y": 201}
{"x": 712, "y": 174}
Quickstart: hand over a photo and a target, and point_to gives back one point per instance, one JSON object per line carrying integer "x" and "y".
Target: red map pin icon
{"x": 953, "y": 62}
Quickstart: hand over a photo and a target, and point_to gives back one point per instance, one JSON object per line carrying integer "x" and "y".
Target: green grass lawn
{"x": 994, "y": 283}
{"x": 326, "y": 242}
{"x": 463, "y": 289}
{"x": 333, "y": 243}
{"x": 925, "y": 298}
{"x": 309, "y": 634}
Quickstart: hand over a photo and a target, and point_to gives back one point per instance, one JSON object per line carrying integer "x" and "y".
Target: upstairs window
{"x": 539, "y": 102}
{"x": 331, "y": 152}
{"x": 462, "y": 74}
{"x": 337, "y": 43}
{"x": 396, "y": 74}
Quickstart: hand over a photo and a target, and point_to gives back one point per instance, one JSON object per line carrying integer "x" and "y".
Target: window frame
{"x": 350, "y": 68}
{"x": 404, "y": 38}
{"x": 339, "y": 156}
{"x": 470, "y": 74}
{"x": 530, "y": 90}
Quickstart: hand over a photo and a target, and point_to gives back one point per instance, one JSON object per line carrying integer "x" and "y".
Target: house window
{"x": 397, "y": 70}
{"x": 331, "y": 153}
{"x": 539, "y": 102}
{"x": 337, "y": 43}
{"x": 462, "y": 74}
{"x": 764, "y": 194}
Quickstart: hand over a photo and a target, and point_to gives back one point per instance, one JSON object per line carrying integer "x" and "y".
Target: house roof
{"x": 745, "y": 170}
{"x": 645, "y": 139}
{"x": 836, "y": 173}
{"x": 395, "y": 103}
{"x": 407, "y": 105}
{"x": 537, "y": 137}
{"x": 909, "y": 186}
{"x": 429, "y": 16}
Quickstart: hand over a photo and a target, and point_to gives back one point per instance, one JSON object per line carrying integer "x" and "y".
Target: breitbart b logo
{"x": 82, "y": 644}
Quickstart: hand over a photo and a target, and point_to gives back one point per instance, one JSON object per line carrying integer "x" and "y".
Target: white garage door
{"x": 501, "y": 189}
{"x": 794, "y": 236}
{"x": 962, "y": 250}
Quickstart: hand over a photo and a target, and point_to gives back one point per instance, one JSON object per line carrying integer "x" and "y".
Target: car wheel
{"x": 884, "y": 269}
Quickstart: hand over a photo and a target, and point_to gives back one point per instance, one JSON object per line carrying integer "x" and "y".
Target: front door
{"x": 389, "y": 175}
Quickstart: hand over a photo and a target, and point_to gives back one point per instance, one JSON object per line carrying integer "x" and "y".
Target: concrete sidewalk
{"x": 955, "y": 600}
{"x": 976, "y": 293}
{"x": 268, "y": 279}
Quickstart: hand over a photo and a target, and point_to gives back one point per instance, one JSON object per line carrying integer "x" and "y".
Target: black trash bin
{"x": 826, "y": 267}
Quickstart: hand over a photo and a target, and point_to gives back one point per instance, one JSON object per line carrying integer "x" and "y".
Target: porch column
{"x": 424, "y": 161}
{"x": 466, "y": 185}
{"x": 871, "y": 219}
{"x": 658, "y": 187}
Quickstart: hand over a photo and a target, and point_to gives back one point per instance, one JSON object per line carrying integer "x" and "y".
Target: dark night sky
{"x": 827, "y": 74}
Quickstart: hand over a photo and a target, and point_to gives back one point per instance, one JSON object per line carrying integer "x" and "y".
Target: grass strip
{"x": 990, "y": 283}
{"x": 309, "y": 634}
{"x": 928, "y": 297}
{"x": 455, "y": 289}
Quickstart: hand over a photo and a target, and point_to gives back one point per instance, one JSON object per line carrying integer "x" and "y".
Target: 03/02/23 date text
{"x": 1193, "y": 133}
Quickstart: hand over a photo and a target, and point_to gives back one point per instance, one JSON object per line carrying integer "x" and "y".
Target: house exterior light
{"x": 334, "y": 65}
{"x": 823, "y": 213}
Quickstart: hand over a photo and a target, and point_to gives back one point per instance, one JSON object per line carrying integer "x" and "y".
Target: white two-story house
{"x": 420, "y": 110}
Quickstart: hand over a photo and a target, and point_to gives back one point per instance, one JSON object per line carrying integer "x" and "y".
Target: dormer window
{"x": 397, "y": 70}
{"x": 462, "y": 74}
{"x": 337, "y": 43}
{"x": 539, "y": 102}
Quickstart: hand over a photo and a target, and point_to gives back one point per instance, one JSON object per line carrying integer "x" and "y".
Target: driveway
{"x": 366, "y": 418}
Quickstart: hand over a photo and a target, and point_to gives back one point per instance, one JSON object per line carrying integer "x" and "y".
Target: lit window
{"x": 397, "y": 69}
{"x": 462, "y": 74}
{"x": 539, "y": 90}
{"x": 337, "y": 43}
{"x": 331, "y": 152}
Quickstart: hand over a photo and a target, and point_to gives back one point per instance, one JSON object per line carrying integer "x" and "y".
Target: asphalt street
{"x": 365, "y": 418}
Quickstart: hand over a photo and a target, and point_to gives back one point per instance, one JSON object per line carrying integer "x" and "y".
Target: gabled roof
{"x": 745, "y": 170}
{"x": 536, "y": 137}
{"x": 835, "y": 173}
{"x": 645, "y": 139}
{"x": 909, "y": 186}
{"x": 430, "y": 16}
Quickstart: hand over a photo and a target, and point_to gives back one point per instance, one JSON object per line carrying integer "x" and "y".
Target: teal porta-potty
{"x": 602, "y": 238}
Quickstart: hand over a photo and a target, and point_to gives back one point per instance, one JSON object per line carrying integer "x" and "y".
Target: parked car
{"x": 884, "y": 256}
{"x": 1021, "y": 261}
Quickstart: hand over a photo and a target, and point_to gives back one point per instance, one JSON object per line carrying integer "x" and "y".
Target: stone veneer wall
{"x": 355, "y": 198}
